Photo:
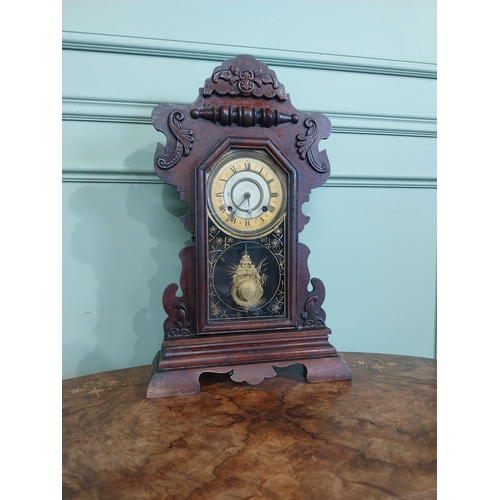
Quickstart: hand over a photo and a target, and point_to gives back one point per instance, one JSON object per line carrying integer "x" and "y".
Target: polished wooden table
{"x": 370, "y": 438}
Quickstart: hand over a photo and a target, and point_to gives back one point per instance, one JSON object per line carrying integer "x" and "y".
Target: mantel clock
{"x": 245, "y": 161}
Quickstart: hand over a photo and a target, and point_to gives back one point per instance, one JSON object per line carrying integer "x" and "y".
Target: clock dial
{"x": 246, "y": 194}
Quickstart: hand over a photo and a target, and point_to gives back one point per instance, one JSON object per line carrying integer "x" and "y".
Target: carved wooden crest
{"x": 246, "y": 77}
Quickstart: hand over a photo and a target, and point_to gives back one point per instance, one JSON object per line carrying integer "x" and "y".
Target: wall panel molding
{"x": 110, "y": 174}
{"x": 345, "y": 123}
{"x": 96, "y": 42}
{"x": 140, "y": 113}
{"x": 146, "y": 175}
{"x": 106, "y": 111}
{"x": 381, "y": 180}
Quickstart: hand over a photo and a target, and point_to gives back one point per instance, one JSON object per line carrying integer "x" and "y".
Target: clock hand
{"x": 238, "y": 206}
{"x": 249, "y": 207}
{"x": 246, "y": 196}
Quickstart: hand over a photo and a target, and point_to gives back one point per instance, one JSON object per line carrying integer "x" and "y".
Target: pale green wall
{"x": 372, "y": 234}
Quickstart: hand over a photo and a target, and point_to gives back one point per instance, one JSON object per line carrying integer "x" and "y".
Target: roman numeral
{"x": 222, "y": 208}
{"x": 271, "y": 208}
{"x": 233, "y": 168}
{"x": 222, "y": 194}
{"x": 247, "y": 222}
{"x": 248, "y": 166}
{"x": 231, "y": 218}
{"x": 270, "y": 181}
{"x": 274, "y": 195}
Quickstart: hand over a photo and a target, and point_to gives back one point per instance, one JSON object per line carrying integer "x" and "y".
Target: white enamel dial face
{"x": 246, "y": 194}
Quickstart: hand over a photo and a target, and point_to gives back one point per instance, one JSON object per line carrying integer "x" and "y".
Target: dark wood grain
{"x": 370, "y": 438}
{"x": 241, "y": 107}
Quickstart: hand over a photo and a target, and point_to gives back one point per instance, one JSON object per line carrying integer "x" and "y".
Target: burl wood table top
{"x": 370, "y": 438}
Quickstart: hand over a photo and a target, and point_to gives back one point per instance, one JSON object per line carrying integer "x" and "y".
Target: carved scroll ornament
{"x": 304, "y": 145}
{"x": 178, "y": 323}
{"x": 183, "y": 142}
{"x": 313, "y": 315}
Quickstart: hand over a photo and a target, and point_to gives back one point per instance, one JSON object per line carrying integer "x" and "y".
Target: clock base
{"x": 246, "y": 358}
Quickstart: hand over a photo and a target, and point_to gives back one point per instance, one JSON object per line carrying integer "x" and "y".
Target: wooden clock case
{"x": 242, "y": 107}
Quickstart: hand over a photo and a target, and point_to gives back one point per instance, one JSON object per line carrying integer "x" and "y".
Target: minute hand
{"x": 249, "y": 207}
{"x": 246, "y": 196}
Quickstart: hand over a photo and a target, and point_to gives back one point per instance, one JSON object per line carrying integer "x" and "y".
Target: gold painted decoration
{"x": 246, "y": 278}
{"x": 247, "y": 281}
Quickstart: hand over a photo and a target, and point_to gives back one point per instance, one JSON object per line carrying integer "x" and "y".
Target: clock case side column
{"x": 169, "y": 160}
{"x": 313, "y": 170}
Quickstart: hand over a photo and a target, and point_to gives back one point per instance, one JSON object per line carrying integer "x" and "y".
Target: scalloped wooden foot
{"x": 167, "y": 383}
{"x": 164, "y": 384}
{"x": 253, "y": 374}
{"x": 326, "y": 369}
